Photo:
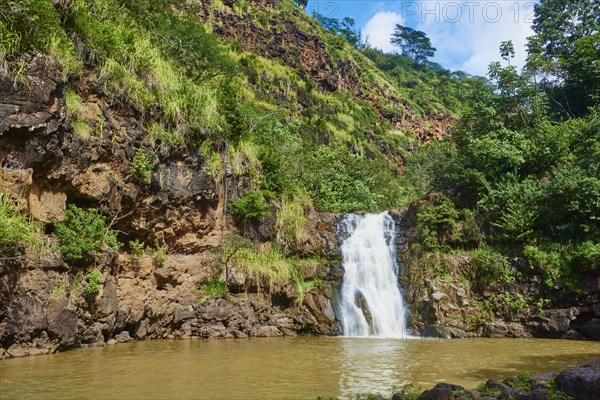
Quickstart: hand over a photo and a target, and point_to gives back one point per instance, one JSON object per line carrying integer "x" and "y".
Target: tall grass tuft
{"x": 16, "y": 228}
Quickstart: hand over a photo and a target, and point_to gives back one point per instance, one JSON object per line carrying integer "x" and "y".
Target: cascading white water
{"x": 371, "y": 303}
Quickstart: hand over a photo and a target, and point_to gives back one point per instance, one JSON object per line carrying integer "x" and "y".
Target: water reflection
{"x": 280, "y": 368}
{"x": 370, "y": 364}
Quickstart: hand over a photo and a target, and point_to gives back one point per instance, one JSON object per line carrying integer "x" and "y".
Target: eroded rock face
{"x": 142, "y": 300}
{"x": 62, "y": 321}
{"x": 553, "y": 323}
{"x": 37, "y": 104}
{"x": 307, "y": 53}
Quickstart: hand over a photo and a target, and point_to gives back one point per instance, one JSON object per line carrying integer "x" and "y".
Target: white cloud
{"x": 378, "y": 30}
{"x": 466, "y": 35}
{"x": 473, "y": 40}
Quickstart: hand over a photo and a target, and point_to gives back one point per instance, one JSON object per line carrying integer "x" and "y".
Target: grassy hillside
{"x": 260, "y": 85}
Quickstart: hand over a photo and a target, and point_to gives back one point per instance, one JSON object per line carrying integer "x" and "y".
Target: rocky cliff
{"x": 445, "y": 301}
{"x": 45, "y": 165}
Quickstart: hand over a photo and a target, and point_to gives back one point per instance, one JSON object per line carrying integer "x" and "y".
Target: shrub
{"x": 16, "y": 228}
{"x": 335, "y": 182}
{"x": 137, "y": 248}
{"x": 171, "y": 139}
{"x": 213, "y": 288}
{"x": 437, "y": 223}
{"x": 549, "y": 262}
{"x": 142, "y": 165}
{"x": 252, "y": 205}
{"x": 570, "y": 203}
{"x": 83, "y": 232}
{"x": 511, "y": 208}
{"x": 491, "y": 267}
{"x": 279, "y": 154}
{"x": 432, "y": 167}
{"x": 159, "y": 253}
{"x": 270, "y": 265}
{"x": 586, "y": 256}
{"x": 94, "y": 280}
{"x": 232, "y": 108}
{"x": 34, "y": 21}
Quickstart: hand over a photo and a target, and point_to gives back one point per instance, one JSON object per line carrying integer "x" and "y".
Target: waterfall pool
{"x": 279, "y": 368}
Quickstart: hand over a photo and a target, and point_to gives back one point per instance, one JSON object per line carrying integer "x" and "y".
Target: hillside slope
{"x": 161, "y": 181}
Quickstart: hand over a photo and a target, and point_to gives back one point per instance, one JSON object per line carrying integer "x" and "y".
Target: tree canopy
{"x": 413, "y": 44}
{"x": 566, "y": 48}
{"x": 346, "y": 28}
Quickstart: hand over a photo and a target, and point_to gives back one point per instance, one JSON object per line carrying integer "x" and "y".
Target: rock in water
{"x": 582, "y": 382}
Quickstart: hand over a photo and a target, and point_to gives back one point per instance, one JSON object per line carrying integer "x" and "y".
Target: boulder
{"x": 182, "y": 313}
{"x": 543, "y": 377}
{"x": 26, "y": 318}
{"x": 435, "y": 394}
{"x": 536, "y": 394}
{"x": 497, "y": 385}
{"x": 123, "y": 337}
{"x": 553, "y": 323}
{"x": 592, "y": 328}
{"x": 582, "y": 382}
{"x": 449, "y": 386}
{"x": 440, "y": 297}
{"x": 47, "y": 205}
{"x": 498, "y": 329}
{"x": 62, "y": 321}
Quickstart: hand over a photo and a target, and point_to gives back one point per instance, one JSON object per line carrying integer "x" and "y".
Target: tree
{"x": 301, "y": 3}
{"x": 507, "y": 50}
{"x": 560, "y": 23}
{"x": 230, "y": 246}
{"x": 413, "y": 44}
{"x": 345, "y": 28}
{"x": 565, "y": 49}
{"x": 349, "y": 32}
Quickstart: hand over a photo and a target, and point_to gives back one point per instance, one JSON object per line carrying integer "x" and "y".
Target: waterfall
{"x": 371, "y": 302}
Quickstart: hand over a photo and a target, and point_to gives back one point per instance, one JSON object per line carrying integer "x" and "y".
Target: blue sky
{"x": 467, "y": 34}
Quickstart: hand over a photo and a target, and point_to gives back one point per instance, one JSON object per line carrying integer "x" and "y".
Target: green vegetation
{"x": 291, "y": 218}
{"x": 16, "y": 228}
{"x": 136, "y": 248}
{"x": 518, "y": 178}
{"x": 211, "y": 289}
{"x": 94, "y": 282}
{"x": 520, "y": 172}
{"x": 252, "y": 205}
{"x": 142, "y": 165}
{"x": 159, "y": 253}
{"x": 264, "y": 266}
{"x": 84, "y": 232}
{"x": 159, "y": 59}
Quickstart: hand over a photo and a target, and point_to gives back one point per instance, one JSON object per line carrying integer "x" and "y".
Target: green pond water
{"x": 278, "y": 368}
